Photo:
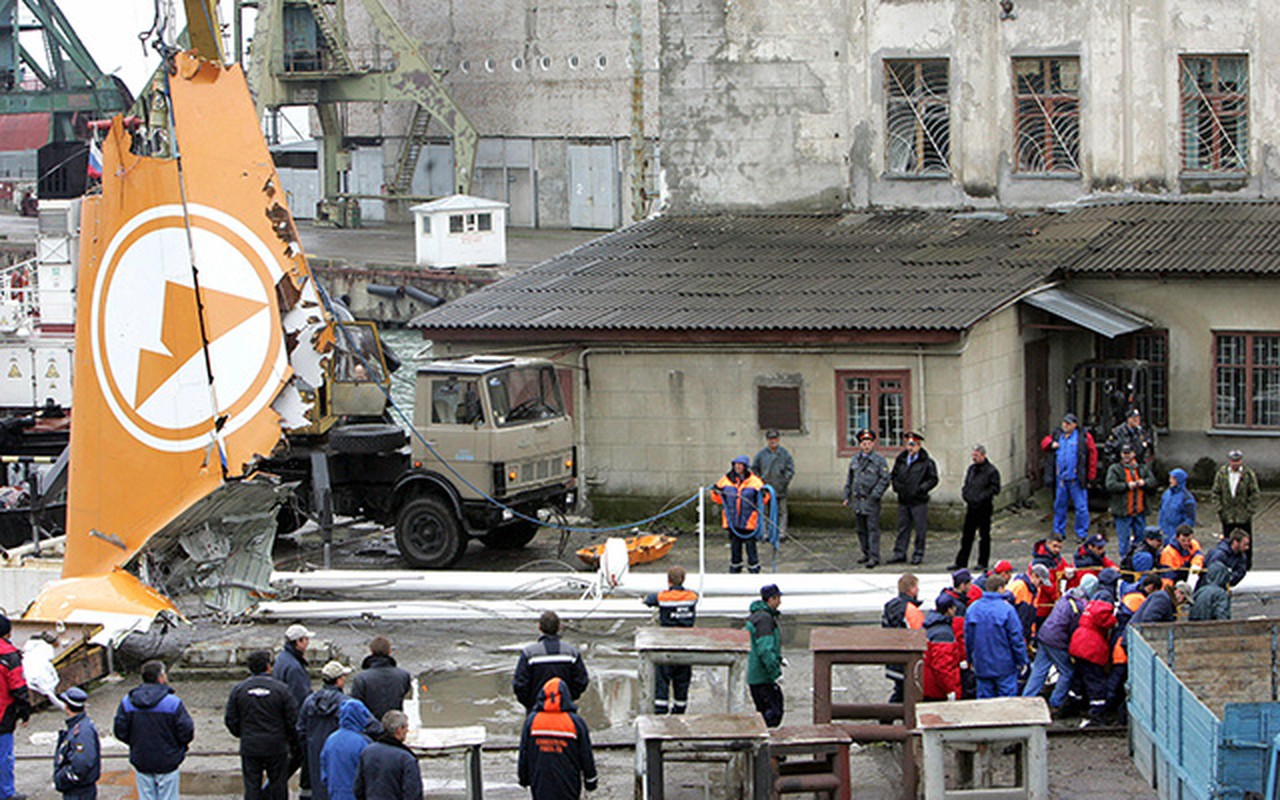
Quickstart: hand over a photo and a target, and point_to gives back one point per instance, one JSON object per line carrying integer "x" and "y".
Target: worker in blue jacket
{"x": 993, "y": 639}
{"x": 340, "y": 756}
{"x": 77, "y": 762}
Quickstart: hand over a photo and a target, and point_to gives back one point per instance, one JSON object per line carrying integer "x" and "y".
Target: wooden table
{"x": 890, "y": 722}
{"x": 696, "y": 647}
{"x": 718, "y": 733}
{"x": 977, "y": 726}
{"x": 469, "y": 740}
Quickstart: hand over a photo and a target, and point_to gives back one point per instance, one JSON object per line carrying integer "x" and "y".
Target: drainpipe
{"x": 637, "y": 113}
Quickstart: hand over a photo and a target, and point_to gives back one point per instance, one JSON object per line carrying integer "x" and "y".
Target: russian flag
{"x": 95, "y": 159}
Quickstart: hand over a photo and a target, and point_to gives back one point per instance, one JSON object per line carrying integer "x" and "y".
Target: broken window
{"x": 1215, "y": 113}
{"x": 1246, "y": 380}
{"x": 917, "y": 117}
{"x": 876, "y": 400}
{"x": 1047, "y": 108}
{"x": 778, "y": 407}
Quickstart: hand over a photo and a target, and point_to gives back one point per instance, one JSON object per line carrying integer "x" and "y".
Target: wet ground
{"x": 464, "y": 676}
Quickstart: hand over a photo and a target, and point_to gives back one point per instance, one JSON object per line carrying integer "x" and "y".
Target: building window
{"x": 1153, "y": 348}
{"x": 470, "y": 223}
{"x": 1047, "y": 105}
{"x": 1215, "y": 113}
{"x": 880, "y": 401}
{"x": 778, "y": 407}
{"x": 917, "y": 117}
{"x": 1246, "y": 385}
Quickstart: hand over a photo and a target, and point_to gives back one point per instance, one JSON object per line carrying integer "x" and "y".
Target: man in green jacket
{"x": 764, "y": 665}
{"x": 1128, "y": 481}
{"x": 1235, "y": 490}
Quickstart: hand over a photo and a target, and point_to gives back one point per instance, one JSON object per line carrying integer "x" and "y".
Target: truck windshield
{"x": 524, "y": 394}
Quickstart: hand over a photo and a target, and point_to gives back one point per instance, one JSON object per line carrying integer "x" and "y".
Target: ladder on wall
{"x": 334, "y": 41}
{"x": 407, "y": 161}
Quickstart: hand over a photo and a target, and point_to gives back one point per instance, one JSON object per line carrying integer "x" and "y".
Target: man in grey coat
{"x": 775, "y": 466}
{"x": 864, "y": 486}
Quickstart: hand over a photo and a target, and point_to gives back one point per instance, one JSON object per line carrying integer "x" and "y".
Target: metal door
{"x": 434, "y": 175}
{"x": 594, "y": 187}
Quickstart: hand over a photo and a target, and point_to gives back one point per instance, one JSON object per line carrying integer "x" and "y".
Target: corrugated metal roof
{"x": 892, "y": 270}
{"x": 1087, "y": 312}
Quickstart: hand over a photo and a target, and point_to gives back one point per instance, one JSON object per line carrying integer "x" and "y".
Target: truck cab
{"x": 489, "y": 428}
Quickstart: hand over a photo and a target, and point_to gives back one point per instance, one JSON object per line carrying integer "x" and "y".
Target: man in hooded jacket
{"x": 556, "y": 761}
{"x": 340, "y": 755}
{"x": 1177, "y": 506}
{"x": 152, "y": 720}
{"x": 381, "y": 685}
{"x": 318, "y": 718}
{"x": 742, "y": 497}
{"x": 1211, "y": 599}
{"x": 388, "y": 768}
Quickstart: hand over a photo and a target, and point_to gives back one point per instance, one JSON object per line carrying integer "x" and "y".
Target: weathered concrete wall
{"x": 782, "y": 105}
{"x": 989, "y": 391}
{"x": 1192, "y": 314}
{"x": 551, "y": 72}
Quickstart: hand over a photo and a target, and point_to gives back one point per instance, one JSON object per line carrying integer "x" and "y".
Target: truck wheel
{"x": 368, "y": 437}
{"x": 428, "y": 535}
{"x": 512, "y": 536}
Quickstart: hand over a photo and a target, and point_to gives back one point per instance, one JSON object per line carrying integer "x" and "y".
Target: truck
{"x": 490, "y": 447}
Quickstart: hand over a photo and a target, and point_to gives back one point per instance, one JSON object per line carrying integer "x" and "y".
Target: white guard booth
{"x": 460, "y": 231}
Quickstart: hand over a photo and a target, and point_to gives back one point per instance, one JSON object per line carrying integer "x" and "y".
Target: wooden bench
{"x": 469, "y": 741}
{"x": 695, "y": 647}
{"x": 743, "y": 734}
{"x": 871, "y": 722}
{"x": 975, "y": 728}
{"x": 827, "y": 774}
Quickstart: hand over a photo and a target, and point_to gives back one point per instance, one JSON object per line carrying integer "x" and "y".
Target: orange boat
{"x": 640, "y": 549}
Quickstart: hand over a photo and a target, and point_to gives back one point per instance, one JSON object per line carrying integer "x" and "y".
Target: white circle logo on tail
{"x": 149, "y": 326}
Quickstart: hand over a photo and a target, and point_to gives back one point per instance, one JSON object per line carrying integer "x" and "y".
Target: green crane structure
{"x": 302, "y": 56}
{"x": 65, "y": 83}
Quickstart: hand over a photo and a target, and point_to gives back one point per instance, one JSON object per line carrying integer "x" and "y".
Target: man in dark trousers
{"x": 381, "y": 685}
{"x": 262, "y": 714}
{"x": 547, "y": 658}
{"x": 14, "y": 705}
{"x": 993, "y": 639}
{"x": 556, "y": 761}
{"x": 677, "y": 608}
{"x": 152, "y": 720}
{"x": 388, "y": 769}
{"x": 764, "y": 663}
{"x": 914, "y": 476}
{"x": 318, "y": 718}
{"x": 77, "y": 762}
{"x": 864, "y": 486}
{"x": 291, "y": 670}
{"x": 776, "y": 468}
{"x": 981, "y": 485}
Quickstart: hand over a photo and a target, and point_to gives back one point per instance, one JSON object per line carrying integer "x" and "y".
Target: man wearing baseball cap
{"x": 764, "y": 663}
{"x": 864, "y": 486}
{"x": 1074, "y": 463}
{"x": 1235, "y": 490}
{"x": 291, "y": 670}
{"x": 318, "y": 718}
{"x": 77, "y": 762}
{"x": 776, "y": 468}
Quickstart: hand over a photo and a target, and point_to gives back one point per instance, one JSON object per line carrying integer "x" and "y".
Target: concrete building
{"x": 814, "y": 105}
{"x": 551, "y": 88}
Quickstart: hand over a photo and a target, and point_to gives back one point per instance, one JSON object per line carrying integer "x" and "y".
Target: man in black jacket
{"x": 388, "y": 770}
{"x": 381, "y": 685}
{"x": 545, "y": 659}
{"x": 152, "y": 720}
{"x": 291, "y": 670}
{"x": 981, "y": 485}
{"x": 914, "y": 476}
{"x": 262, "y": 714}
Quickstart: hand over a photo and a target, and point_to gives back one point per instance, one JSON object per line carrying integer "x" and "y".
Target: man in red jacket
{"x": 14, "y": 705}
{"x": 1091, "y": 648}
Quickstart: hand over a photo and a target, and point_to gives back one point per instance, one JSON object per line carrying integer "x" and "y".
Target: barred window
{"x": 1246, "y": 388}
{"x": 917, "y": 117}
{"x": 1153, "y": 348}
{"x": 1047, "y": 108}
{"x": 1215, "y": 113}
{"x": 880, "y": 401}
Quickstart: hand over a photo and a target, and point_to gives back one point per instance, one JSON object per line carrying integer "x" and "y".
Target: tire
{"x": 428, "y": 534}
{"x": 511, "y": 536}
{"x": 366, "y": 438}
